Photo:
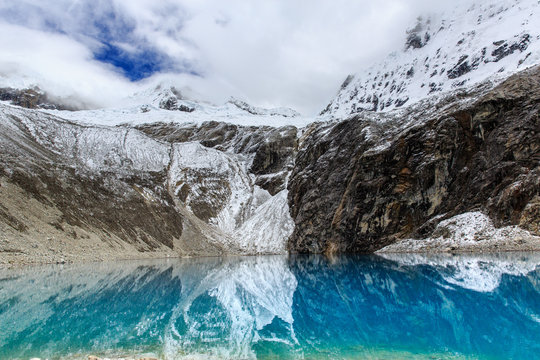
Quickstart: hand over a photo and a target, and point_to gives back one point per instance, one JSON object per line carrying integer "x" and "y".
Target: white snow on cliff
{"x": 447, "y": 52}
{"x": 212, "y": 179}
{"x": 471, "y": 231}
{"x": 269, "y": 228}
{"x": 207, "y": 180}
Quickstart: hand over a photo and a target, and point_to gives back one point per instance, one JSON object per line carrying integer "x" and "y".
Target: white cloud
{"x": 58, "y": 64}
{"x": 271, "y": 53}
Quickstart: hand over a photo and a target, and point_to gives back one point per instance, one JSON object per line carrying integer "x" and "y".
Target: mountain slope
{"x": 447, "y": 52}
{"x": 70, "y": 191}
{"x": 361, "y": 184}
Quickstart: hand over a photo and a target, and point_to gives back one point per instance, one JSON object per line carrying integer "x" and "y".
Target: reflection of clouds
{"x": 482, "y": 272}
{"x": 230, "y": 308}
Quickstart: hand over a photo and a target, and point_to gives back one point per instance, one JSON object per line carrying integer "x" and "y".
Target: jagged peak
{"x": 168, "y": 96}
{"x": 281, "y": 111}
{"x": 443, "y": 52}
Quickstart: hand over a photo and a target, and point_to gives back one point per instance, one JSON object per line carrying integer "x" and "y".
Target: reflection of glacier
{"x": 479, "y": 272}
{"x": 231, "y": 308}
{"x": 215, "y": 306}
{"x": 275, "y": 307}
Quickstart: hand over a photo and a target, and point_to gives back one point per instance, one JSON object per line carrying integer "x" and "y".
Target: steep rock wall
{"x": 359, "y": 185}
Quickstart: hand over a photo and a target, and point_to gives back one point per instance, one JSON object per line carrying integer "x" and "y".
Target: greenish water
{"x": 305, "y": 307}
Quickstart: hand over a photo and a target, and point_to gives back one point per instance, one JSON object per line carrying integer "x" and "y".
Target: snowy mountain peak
{"x": 166, "y": 102}
{"x": 162, "y": 95}
{"x": 167, "y": 96}
{"x": 445, "y": 52}
{"x": 286, "y": 112}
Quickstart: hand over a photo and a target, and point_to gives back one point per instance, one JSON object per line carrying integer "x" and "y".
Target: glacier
{"x": 212, "y": 189}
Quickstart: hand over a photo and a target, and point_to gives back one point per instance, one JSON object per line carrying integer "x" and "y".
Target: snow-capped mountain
{"x": 445, "y": 52}
{"x": 164, "y": 172}
{"x": 147, "y": 192}
{"x": 167, "y": 103}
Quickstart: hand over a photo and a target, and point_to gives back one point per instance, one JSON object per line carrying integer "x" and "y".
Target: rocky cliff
{"x": 70, "y": 191}
{"x": 460, "y": 168}
{"x": 35, "y": 98}
{"x": 364, "y": 183}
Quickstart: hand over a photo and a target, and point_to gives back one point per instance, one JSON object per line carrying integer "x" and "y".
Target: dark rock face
{"x": 347, "y": 81}
{"x": 415, "y": 38}
{"x": 414, "y": 41}
{"x": 504, "y": 49}
{"x": 171, "y": 103}
{"x": 32, "y": 99}
{"x": 90, "y": 203}
{"x": 272, "y": 149}
{"x": 347, "y": 195}
{"x": 460, "y": 69}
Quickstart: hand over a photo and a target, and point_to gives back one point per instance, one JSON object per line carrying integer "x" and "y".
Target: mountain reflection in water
{"x": 276, "y": 306}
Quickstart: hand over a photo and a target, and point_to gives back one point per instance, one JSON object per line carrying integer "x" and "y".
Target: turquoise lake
{"x": 267, "y": 307}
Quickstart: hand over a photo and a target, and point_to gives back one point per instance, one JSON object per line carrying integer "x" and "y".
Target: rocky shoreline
{"x": 92, "y": 357}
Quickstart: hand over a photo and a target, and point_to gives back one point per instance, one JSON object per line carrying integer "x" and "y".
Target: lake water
{"x": 306, "y": 307}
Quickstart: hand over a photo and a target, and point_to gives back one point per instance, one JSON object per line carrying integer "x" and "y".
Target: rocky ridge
{"x": 444, "y": 53}
{"x": 366, "y": 182}
{"x": 34, "y": 98}
{"x": 392, "y": 165}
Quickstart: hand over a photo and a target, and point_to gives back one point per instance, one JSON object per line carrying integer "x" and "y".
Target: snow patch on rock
{"x": 267, "y": 231}
{"x": 472, "y": 231}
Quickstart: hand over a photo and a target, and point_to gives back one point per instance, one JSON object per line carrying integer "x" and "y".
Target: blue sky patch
{"x": 105, "y": 25}
{"x": 134, "y": 66}
{"x": 109, "y": 28}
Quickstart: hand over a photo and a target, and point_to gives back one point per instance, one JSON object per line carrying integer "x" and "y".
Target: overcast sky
{"x": 269, "y": 53}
